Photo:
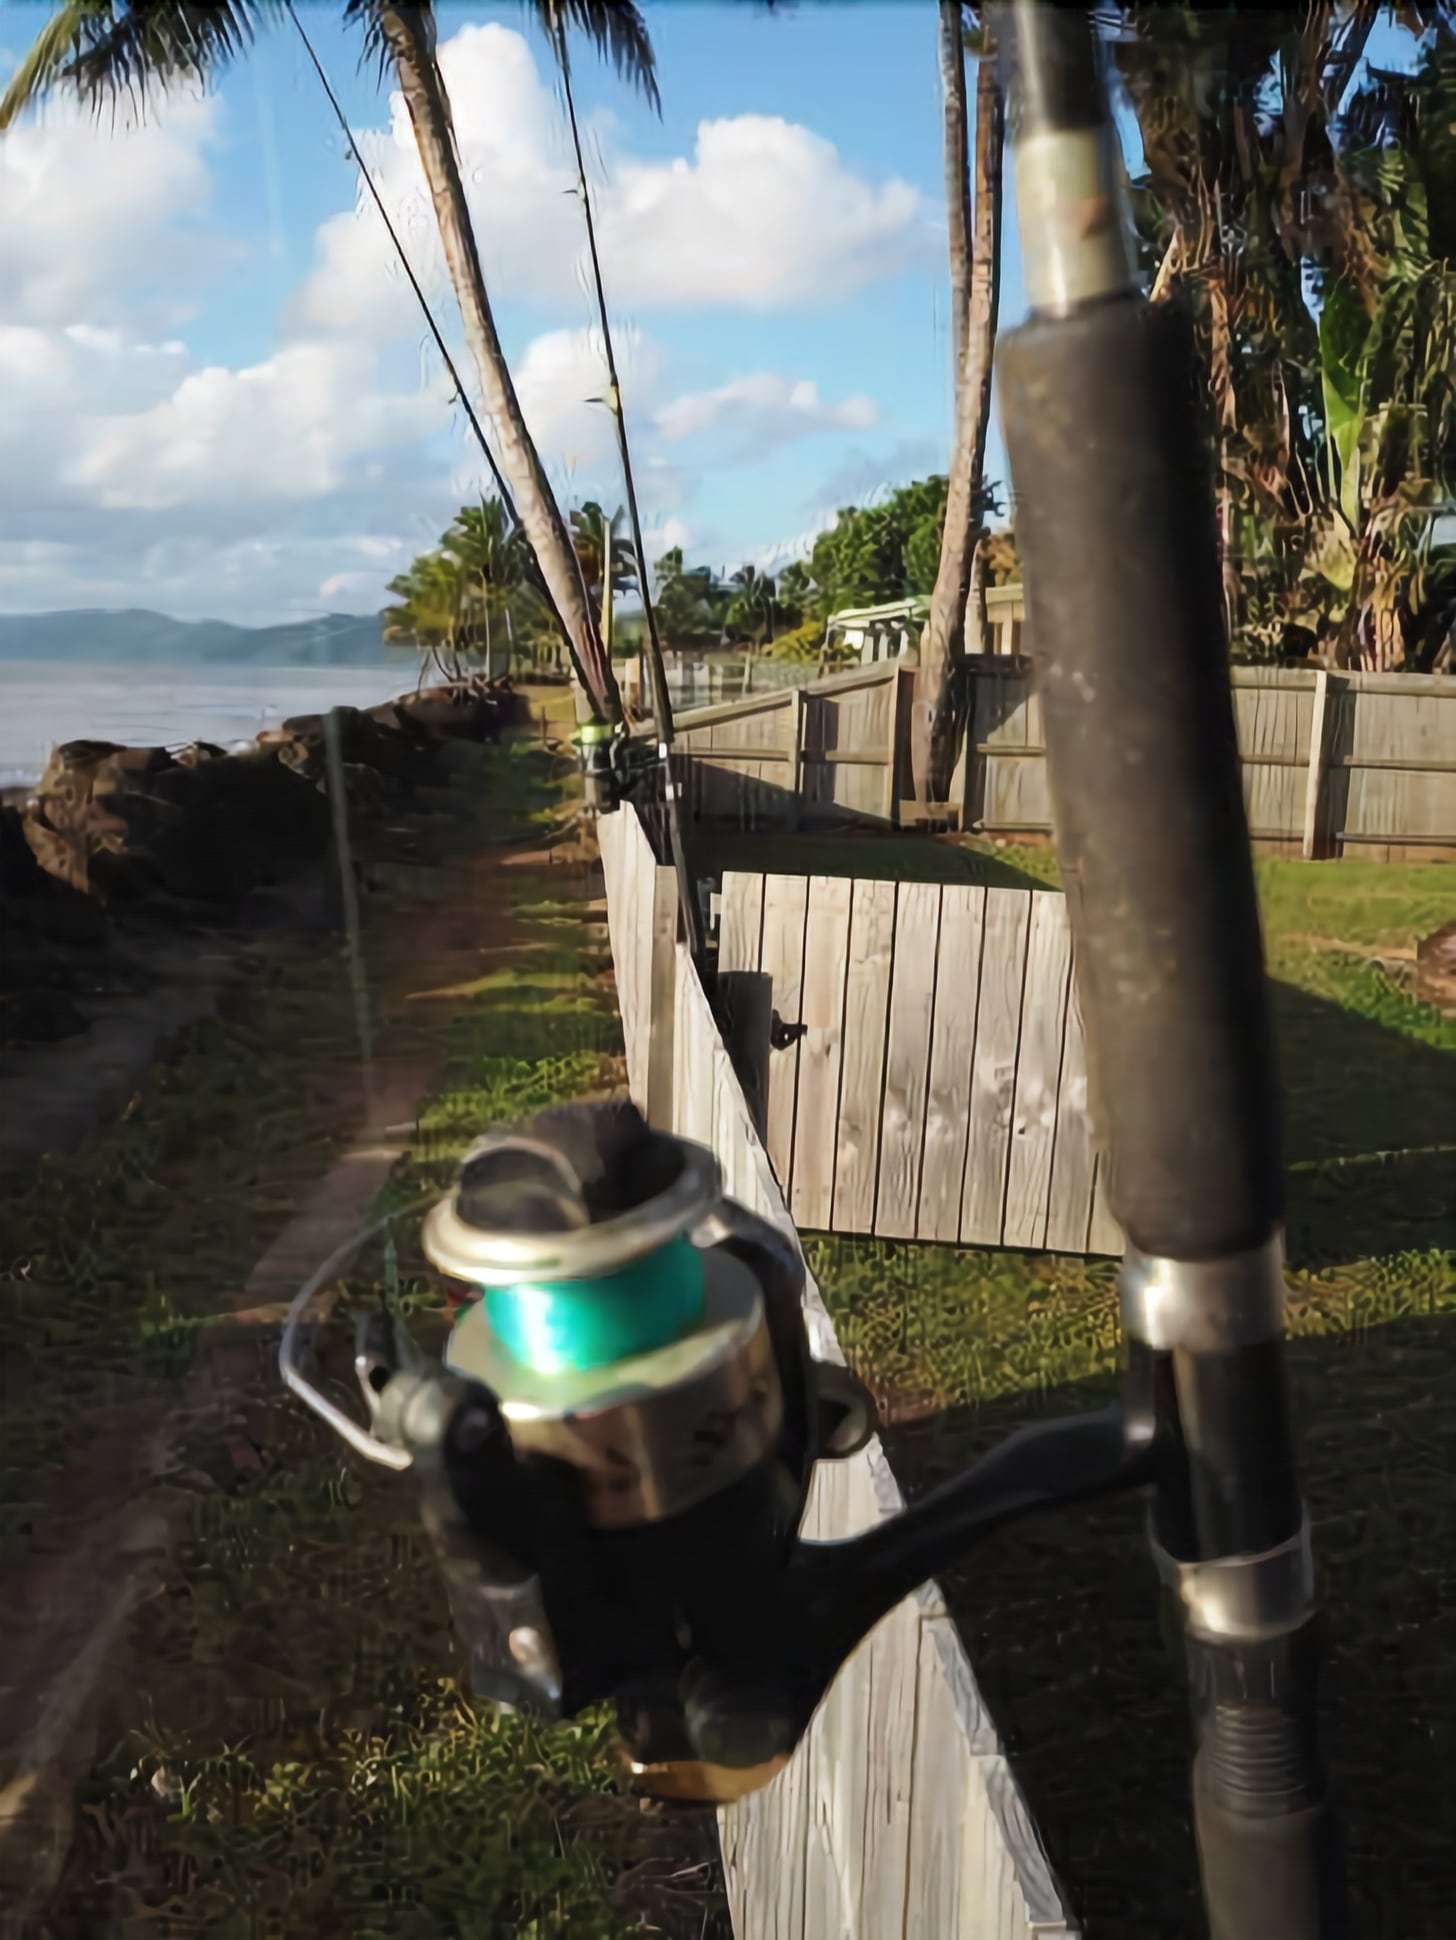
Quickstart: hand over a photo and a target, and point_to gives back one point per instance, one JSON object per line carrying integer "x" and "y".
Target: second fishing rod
{"x": 1100, "y": 401}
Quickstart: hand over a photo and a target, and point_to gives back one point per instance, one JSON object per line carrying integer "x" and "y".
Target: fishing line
{"x": 538, "y": 583}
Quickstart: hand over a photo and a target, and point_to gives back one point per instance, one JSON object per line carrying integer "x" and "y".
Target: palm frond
{"x": 367, "y": 15}
{"x": 54, "y": 47}
{"x": 616, "y": 29}
{"x": 127, "y": 49}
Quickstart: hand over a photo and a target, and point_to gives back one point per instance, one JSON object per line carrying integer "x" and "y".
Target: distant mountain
{"x": 143, "y": 639}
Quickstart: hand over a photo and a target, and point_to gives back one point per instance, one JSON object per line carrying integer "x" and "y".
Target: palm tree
{"x": 751, "y": 609}
{"x": 1331, "y": 419}
{"x": 430, "y": 613}
{"x": 955, "y": 604}
{"x": 103, "y": 48}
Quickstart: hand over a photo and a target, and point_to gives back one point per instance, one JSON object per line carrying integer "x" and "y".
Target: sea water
{"x": 44, "y": 704}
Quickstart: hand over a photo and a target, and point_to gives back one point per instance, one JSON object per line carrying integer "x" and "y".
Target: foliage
{"x": 803, "y": 643}
{"x": 1297, "y": 218}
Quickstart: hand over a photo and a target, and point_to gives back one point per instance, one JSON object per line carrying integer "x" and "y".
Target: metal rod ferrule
{"x": 1071, "y": 200}
{"x": 1245, "y": 1599}
{"x": 1205, "y": 1306}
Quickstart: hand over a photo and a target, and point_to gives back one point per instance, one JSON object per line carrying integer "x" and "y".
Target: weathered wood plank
{"x": 889, "y": 1763}
{"x": 826, "y": 941}
{"x": 1038, "y": 1071}
{"x": 867, "y": 971}
{"x": 781, "y": 959}
{"x": 661, "y": 993}
{"x": 993, "y": 1067}
{"x": 1105, "y": 1236}
{"x": 834, "y": 1854}
{"x": 695, "y": 1056}
{"x": 976, "y": 1863}
{"x": 1069, "y": 1210}
{"x": 952, "y": 1045}
{"x": 907, "y": 1058}
{"x": 740, "y": 928}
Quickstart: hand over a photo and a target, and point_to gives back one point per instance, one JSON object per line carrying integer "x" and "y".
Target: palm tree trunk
{"x": 956, "y": 603}
{"x": 957, "y": 161}
{"x": 406, "y": 35}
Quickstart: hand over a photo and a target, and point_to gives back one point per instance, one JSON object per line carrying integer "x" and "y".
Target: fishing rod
{"x": 615, "y": 1449}
{"x": 1117, "y": 533}
{"x": 657, "y": 672}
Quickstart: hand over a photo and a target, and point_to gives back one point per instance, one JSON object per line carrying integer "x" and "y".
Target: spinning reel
{"x": 615, "y": 1452}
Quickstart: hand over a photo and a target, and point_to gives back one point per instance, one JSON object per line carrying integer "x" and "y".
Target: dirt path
{"x": 114, "y": 1512}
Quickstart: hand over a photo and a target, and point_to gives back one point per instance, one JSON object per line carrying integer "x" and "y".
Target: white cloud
{"x": 763, "y": 214}
{"x": 89, "y": 217}
{"x": 761, "y": 411}
{"x": 283, "y": 430}
{"x": 135, "y": 472}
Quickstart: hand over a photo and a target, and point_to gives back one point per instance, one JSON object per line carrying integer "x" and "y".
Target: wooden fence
{"x": 1360, "y": 765}
{"x": 837, "y": 749}
{"x": 898, "y": 1817}
{"x": 931, "y": 1082}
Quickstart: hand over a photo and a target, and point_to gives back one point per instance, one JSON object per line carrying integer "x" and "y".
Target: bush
{"x": 804, "y": 642}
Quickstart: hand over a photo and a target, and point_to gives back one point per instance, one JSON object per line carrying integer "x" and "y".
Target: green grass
{"x": 1060, "y": 1616}
{"x": 289, "y": 1749}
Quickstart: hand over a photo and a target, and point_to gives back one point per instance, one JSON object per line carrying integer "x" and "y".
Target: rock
{"x": 123, "y": 824}
{"x": 364, "y": 742}
{"x": 1436, "y": 968}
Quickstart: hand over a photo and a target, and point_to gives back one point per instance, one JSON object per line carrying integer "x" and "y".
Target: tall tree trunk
{"x": 957, "y": 161}
{"x": 408, "y": 35}
{"x": 957, "y": 599}
{"x": 982, "y": 322}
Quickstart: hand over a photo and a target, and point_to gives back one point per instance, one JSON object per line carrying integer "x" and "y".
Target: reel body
{"x": 615, "y": 1453}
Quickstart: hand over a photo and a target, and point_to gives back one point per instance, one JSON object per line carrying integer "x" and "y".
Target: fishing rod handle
{"x": 1116, "y": 529}
{"x": 1270, "y": 1844}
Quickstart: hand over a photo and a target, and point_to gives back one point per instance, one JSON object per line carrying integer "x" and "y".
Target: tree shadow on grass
{"x": 1370, "y": 1130}
{"x": 1060, "y": 1620}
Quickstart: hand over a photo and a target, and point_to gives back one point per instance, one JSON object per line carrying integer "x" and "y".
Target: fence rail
{"x": 1334, "y": 764}
{"x": 898, "y": 1817}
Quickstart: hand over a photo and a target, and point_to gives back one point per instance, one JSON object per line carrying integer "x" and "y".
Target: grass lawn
{"x": 283, "y": 1745}
{"x": 1060, "y": 1617}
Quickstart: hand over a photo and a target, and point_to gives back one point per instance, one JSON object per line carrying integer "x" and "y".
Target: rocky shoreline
{"x": 121, "y": 859}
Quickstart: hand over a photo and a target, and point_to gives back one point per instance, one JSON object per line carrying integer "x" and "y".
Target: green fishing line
{"x": 572, "y": 1326}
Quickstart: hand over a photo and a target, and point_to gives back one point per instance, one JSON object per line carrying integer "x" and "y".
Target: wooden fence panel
{"x": 939, "y": 1087}
{"x": 1272, "y": 713}
{"x": 1401, "y": 764}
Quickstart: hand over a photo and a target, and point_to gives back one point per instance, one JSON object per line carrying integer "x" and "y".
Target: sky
{"x": 220, "y": 399}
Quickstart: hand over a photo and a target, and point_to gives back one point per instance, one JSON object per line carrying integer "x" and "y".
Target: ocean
{"x": 44, "y": 704}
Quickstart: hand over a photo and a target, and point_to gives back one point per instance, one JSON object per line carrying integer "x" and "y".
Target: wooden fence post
{"x": 796, "y": 759}
{"x": 892, "y": 752}
{"x": 1315, "y": 776}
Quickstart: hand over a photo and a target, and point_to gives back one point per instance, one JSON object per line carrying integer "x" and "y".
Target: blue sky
{"x": 229, "y": 405}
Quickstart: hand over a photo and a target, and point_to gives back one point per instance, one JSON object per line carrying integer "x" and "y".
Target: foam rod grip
{"x": 1115, "y": 525}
